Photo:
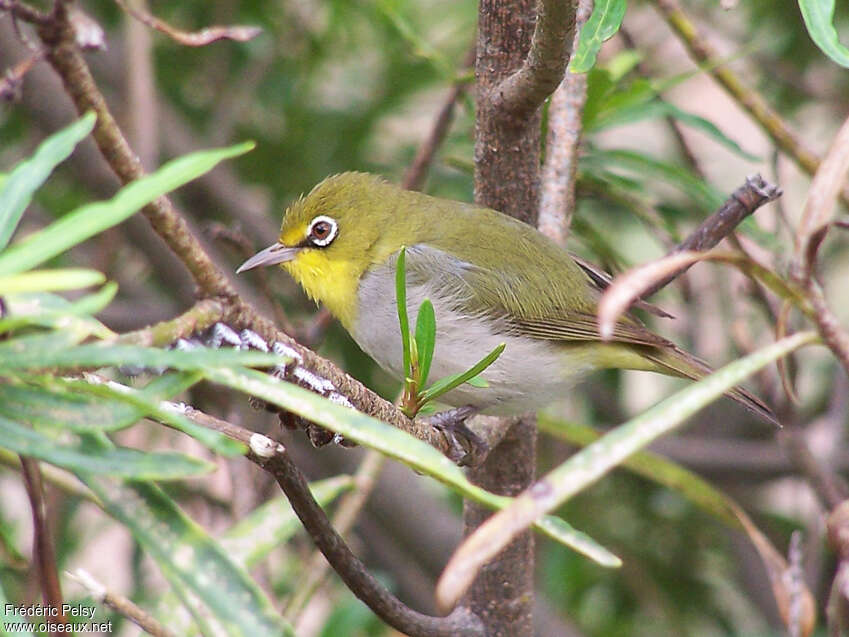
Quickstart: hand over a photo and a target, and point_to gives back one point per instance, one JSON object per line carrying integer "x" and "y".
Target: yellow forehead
{"x": 293, "y": 235}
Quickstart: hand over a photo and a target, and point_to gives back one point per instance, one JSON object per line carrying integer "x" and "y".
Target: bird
{"x": 491, "y": 279}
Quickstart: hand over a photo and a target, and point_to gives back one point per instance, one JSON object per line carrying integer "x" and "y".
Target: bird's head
{"x": 328, "y": 237}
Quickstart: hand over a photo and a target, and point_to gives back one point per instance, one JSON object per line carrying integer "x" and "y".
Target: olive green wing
{"x": 527, "y": 305}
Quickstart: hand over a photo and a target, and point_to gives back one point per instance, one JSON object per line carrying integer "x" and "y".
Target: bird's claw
{"x": 467, "y": 448}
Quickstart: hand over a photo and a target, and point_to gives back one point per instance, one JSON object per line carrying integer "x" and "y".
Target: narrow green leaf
{"x": 819, "y": 19}
{"x": 478, "y": 382}
{"x": 65, "y": 410}
{"x": 190, "y": 559}
{"x": 653, "y": 467}
{"x": 17, "y": 189}
{"x": 392, "y": 442}
{"x": 603, "y": 24}
{"x": 444, "y": 385}
{"x": 80, "y": 458}
{"x": 16, "y": 354}
{"x": 51, "y": 310}
{"x": 425, "y": 339}
{"x": 593, "y": 461}
{"x": 93, "y": 218}
{"x": 95, "y": 302}
{"x": 703, "y": 194}
{"x": 647, "y": 106}
{"x": 50, "y": 280}
{"x": 251, "y": 540}
{"x": 149, "y": 402}
{"x": 401, "y": 302}
{"x": 33, "y": 345}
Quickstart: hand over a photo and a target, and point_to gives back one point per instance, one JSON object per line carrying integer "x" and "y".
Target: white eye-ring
{"x": 322, "y": 231}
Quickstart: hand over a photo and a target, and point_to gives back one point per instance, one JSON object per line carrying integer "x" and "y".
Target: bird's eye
{"x": 322, "y": 231}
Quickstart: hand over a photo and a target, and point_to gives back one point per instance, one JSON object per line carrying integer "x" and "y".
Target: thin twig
{"x": 559, "y": 171}
{"x": 346, "y": 514}
{"x": 273, "y": 457}
{"x": 744, "y": 201}
{"x": 59, "y": 37}
{"x": 44, "y": 554}
{"x": 202, "y": 315}
{"x": 10, "y": 82}
{"x": 239, "y": 33}
{"x": 24, "y": 12}
{"x": 120, "y": 604}
{"x": 525, "y": 90}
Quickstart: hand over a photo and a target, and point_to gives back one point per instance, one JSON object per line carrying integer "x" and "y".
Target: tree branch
{"x": 273, "y": 458}
{"x": 521, "y": 93}
{"x": 44, "y": 554}
{"x": 63, "y": 54}
{"x": 559, "y": 171}
{"x": 59, "y": 37}
{"x": 740, "y": 204}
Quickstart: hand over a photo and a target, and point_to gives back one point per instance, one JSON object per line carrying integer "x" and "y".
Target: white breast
{"x": 529, "y": 373}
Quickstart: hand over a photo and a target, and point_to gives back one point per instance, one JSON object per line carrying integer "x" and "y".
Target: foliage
{"x": 332, "y": 86}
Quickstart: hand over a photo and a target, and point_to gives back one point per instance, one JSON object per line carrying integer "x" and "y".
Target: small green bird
{"x": 491, "y": 279}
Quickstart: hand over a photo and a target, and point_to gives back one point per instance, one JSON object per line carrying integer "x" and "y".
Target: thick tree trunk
{"x": 506, "y": 178}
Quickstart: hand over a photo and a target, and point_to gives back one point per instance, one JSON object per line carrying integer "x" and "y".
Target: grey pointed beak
{"x": 272, "y": 255}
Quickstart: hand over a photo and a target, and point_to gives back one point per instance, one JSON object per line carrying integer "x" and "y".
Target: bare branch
{"x": 203, "y": 315}
{"x": 10, "y": 83}
{"x": 239, "y": 33}
{"x": 525, "y": 90}
{"x": 24, "y": 12}
{"x": 120, "y": 604}
{"x": 44, "y": 554}
{"x": 64, "y": 55}
{"x": 557, "y": 180}
{"x": 739, "y": 205}
{"x": 346, "y": 515}
{"x": 273, "y": 457}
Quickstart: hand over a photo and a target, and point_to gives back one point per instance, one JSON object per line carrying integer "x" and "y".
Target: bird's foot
{"x": 467, "y": 446}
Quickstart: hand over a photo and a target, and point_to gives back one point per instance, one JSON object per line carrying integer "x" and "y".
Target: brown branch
{"x": 239, "y": 33}
{"x": 417, "y": 171}
{"x": 10, "y": 83}
{"x": 559, "y": 171}
{"x": 24, "y": 12}
{"x": 521, "y": 93}
{"x": 740, "y": 204}
{"x": 203, "y": 315}
{"x": 829, "y": 327}
{"x": 770, "y": 121}
{"x": 351, "y": 570}
{"x": 121, "y": 605}
{"x": 59, "y": 36}
{"x": 64, "y": 56}
{"x": 362, "y": 398}
{"x": 273, "y": 458}
{"x": 828, "y": 182}
{"x": 44, "y": 554}
{"x": 346, "y": 515}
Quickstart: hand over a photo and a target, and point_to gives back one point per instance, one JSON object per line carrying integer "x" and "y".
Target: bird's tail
{"x": 674, "y": 361}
